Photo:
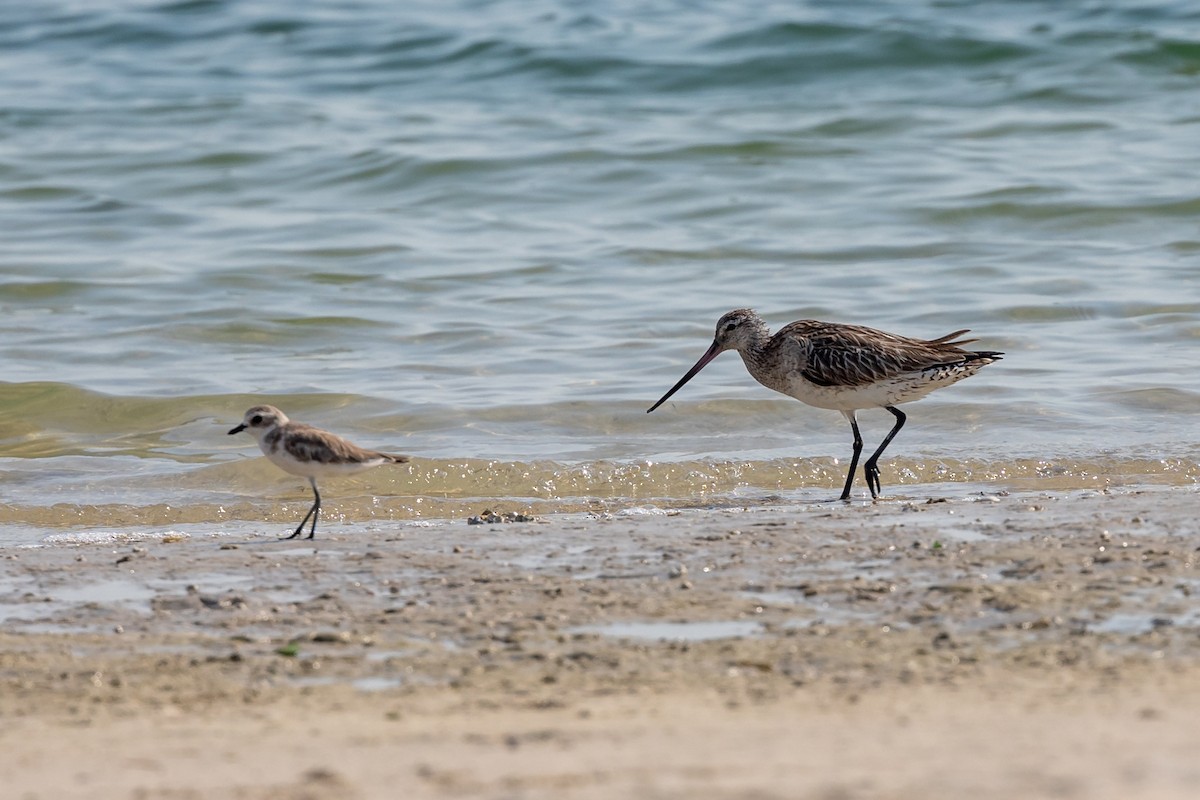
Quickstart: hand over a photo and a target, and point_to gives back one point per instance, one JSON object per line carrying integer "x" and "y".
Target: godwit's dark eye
{"x": 731, "y": 325}
{"x": 256, "y": 419}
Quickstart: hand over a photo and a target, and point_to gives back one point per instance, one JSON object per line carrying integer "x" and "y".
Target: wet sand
{"x": 994, "y": 646}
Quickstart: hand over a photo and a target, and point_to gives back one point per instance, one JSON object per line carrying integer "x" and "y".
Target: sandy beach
{"x": 996, "y": 646}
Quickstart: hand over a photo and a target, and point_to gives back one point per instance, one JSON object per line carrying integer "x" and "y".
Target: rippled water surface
{"x": 492, "y": 234}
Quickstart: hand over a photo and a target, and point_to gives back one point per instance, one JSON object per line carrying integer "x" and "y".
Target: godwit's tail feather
{"x": 949, "y": 339}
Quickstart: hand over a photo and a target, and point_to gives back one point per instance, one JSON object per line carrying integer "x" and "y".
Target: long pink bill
{"x": 712, "y": 353}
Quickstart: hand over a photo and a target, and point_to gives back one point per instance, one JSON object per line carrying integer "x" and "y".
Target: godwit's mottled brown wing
{"x": 855, "y": 355}
{"x": 313, "y": 445}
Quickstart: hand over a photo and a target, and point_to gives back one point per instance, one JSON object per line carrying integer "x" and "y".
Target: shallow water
{"x": 492, "y": 235}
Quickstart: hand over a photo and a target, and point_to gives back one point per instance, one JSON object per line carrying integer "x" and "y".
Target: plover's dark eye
{"x": 256, "y": 419}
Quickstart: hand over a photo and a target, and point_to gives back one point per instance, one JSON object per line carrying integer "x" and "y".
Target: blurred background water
{"x": 491, "y": 234}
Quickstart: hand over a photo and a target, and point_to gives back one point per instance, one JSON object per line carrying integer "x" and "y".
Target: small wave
{"x": 1156, "y": 399}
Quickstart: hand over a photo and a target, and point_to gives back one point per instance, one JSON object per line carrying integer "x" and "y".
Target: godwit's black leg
{"x": 871, "y": 468}
{"x": 313, "y": 512}
{"x": 858, "y": 445}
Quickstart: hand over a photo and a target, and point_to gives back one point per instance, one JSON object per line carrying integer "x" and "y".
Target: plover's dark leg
{"x": 313, "y": 512}
{"x": 316, "y": 509}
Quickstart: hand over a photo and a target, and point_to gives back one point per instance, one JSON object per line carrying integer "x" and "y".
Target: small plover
{"x": 845, "y": 368}
{"x": 309, "y": 452}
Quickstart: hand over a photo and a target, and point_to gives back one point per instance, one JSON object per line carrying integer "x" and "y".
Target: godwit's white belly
{"x": 903, "y": 388}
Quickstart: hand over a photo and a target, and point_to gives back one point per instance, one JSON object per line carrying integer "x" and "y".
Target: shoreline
{"x": 1028, "y": 645}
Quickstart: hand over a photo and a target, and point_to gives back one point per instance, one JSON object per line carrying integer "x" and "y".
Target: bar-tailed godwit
{"x": 845, "y": 368}
{"x": 309, "y": 452}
